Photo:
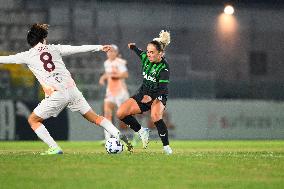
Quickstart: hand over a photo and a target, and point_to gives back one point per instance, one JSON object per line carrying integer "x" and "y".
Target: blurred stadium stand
{"x": 205, "y": 63}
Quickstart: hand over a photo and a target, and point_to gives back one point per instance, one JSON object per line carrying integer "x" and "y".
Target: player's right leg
{"x": 125, "y": 112}
{"x": 107, "y": 125}
{"x": 108, "y": 110}
{"x": 79, "y": 103}
{"x": 92, "y": 117}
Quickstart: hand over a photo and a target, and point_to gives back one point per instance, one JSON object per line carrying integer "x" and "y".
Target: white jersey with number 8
{"x": 45, "y": 61}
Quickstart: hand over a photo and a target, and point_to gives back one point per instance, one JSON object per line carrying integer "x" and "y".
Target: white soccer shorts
{"x": 54, "y": 104}
{"x": 117, "y": 99}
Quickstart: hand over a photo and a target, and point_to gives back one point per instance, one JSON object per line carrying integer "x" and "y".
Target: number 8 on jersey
{"x": 46, "y": 58}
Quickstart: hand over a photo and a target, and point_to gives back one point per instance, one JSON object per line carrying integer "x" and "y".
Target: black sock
{"x": 163, "y": 131}
{"x": 132, "y": 122}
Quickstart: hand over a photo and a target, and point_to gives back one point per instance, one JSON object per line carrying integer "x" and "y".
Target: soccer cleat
{"x": 144, "y": 135}
{"x": 168, "y": 150}
{"x": 128, "y": 144}
{"x": 52, "y": 151}
{"x": 136, "y": 139}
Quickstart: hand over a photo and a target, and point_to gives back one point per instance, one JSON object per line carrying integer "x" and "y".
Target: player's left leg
{"x": 48, "y": 107}
{"x": 157, "y": 110}
{"x": 40, "y": 130}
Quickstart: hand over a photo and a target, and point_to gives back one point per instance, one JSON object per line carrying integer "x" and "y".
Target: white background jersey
{"x": 117, "y": 64}
{"x": 115, "y": 86}
{"x": 45, "y": 61}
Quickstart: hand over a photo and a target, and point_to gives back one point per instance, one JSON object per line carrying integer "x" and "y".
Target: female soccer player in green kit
{"x": 152, "y": 94}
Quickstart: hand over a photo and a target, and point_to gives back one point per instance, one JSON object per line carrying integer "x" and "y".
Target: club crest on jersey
{"x": 148, "y": 77}
{"x": 153, "y": 72}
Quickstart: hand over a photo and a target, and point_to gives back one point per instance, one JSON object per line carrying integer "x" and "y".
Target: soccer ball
{"x": 113, "y": 146}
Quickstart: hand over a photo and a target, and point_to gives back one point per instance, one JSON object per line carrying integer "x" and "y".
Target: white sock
{"x": 141, "y": 130}
{"x": 107, "y": 135}
{"x": 110, "y": 128}
{"x": 44, "y": 135}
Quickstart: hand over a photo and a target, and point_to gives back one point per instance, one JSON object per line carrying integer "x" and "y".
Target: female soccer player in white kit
{"x": 45, "y": 61}
{"x": 116, "y": 91}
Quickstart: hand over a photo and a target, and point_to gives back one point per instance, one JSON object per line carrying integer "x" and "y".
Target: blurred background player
{"x": 116, "y": 91}
{"x": 153, "y": 93}
{"x": 45, "y": 61}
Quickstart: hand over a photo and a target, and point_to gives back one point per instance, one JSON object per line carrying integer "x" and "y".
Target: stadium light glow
{"x": 227, "y": 24}
{"x": 227, "y": 31}
{"x": 229, "y": 10}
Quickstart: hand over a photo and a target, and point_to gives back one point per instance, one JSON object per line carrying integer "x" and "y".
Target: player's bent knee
{"x": 34, "y": 121}
{"x": 120, "y": 114}
{"x": 156, "y": 117}
{"x": 30, "y": 120}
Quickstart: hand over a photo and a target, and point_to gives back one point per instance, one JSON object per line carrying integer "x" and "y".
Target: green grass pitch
{"x": 195, "y": 164}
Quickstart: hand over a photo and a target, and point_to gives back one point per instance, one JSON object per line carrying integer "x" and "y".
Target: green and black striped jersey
{"x": 156, "y": 75}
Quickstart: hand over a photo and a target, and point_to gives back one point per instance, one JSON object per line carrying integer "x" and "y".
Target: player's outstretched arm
{"x": 69, "y": 50}
{"x": 13, "y": 59}
{"x": 106, "y": 48}
{"x": 133, "y": 47}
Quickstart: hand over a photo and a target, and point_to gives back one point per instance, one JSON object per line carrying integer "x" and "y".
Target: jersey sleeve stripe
{"x": 163, "y": 81}
{"x": 161, "y": 69}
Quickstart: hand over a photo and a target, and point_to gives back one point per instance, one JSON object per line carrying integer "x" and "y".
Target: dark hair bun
{"x": 37, "y": 33}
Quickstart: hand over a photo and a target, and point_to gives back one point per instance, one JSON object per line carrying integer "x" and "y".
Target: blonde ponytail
{"x": 164, "y": 39}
